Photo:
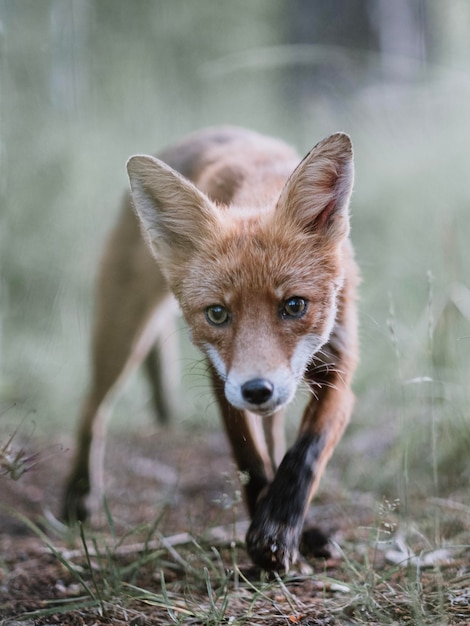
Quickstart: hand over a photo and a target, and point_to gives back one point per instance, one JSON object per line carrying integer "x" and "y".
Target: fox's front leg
{"x": 246, "y": 439}
{"x": 274, "y": 535}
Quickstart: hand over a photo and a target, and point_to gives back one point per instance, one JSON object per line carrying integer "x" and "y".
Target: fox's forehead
{"x": 263, "y": 262}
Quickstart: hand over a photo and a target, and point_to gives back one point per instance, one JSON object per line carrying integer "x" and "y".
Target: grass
{"x": 384, "y": 573}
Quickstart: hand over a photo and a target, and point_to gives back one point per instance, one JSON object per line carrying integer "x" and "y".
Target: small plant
{"x": 16, "y": 460}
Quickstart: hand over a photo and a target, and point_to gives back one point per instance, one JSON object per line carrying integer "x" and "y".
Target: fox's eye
{"x": 217, "y": 314}
{"x": 293, "y": 307}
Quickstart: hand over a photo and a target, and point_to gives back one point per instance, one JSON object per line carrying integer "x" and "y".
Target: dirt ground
{"x": 187, "y": 481}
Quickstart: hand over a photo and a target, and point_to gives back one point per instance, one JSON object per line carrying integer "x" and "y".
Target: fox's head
{"x": 257, "y": 287}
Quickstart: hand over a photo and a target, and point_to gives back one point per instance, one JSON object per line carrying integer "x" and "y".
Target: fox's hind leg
{"x": 161, "y": 365}
{"x": 111, "y": 368}
{"x": 132, "y": 302}
{"x": 273, "y": 427}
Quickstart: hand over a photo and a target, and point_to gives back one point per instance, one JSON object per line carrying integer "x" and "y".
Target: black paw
{"x": 272, "y": 546}
{"x": 314, "y": 542}
{"x": 74, "y": 507}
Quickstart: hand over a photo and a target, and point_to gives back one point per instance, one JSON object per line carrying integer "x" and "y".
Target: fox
{"x": 252, "y": 242}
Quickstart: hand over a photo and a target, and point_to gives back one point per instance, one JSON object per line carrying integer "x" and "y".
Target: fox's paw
{"x": 314, "y": 542}
{"x": 74, "y": 508}
{"x": 273, "y": 546}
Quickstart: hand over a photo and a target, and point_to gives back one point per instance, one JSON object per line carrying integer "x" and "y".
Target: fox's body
{"x": 255, "y": 249}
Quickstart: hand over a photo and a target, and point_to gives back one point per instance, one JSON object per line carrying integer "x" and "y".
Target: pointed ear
{"x": 174, "y": 215}
{"x": 317, "y": 194}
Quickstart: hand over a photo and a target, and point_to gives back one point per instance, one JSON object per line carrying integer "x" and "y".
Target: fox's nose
{"x": 257, "y": 391}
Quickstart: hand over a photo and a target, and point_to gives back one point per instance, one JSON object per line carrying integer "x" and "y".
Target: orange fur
{"x": 254, "y": 246}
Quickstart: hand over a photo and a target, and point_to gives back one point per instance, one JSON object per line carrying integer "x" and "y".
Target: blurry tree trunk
{"x": 69, "y": 27}
{"x": 401, "y": 28}
{"x": 367, "y": 39}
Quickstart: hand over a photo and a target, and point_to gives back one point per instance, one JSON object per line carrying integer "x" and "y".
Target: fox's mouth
{"x": 265, "y": 411}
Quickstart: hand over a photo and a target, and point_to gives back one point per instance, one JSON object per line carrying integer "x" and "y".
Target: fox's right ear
{"x": 173, "y": 213}
{"x": 317, "y": 194}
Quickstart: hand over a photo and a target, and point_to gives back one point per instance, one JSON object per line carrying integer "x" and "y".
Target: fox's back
{"x": 224, "y": 161}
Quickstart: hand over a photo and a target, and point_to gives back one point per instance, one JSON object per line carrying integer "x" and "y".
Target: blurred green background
{"x": 84, "y": 84}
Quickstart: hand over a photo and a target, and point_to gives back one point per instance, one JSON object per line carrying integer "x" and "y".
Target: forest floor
{"x": 170, "y": 548}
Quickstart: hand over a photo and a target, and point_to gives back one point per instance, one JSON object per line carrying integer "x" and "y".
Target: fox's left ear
{"x": 317, "y": 194}
{"x": 174, "y": 215}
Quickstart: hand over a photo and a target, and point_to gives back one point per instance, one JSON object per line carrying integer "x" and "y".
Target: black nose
{"x": 257, "y": 391}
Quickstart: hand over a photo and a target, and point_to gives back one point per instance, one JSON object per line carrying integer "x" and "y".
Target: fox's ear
{"x": 173, "y": 213}
{"x": 317, "y": 193}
